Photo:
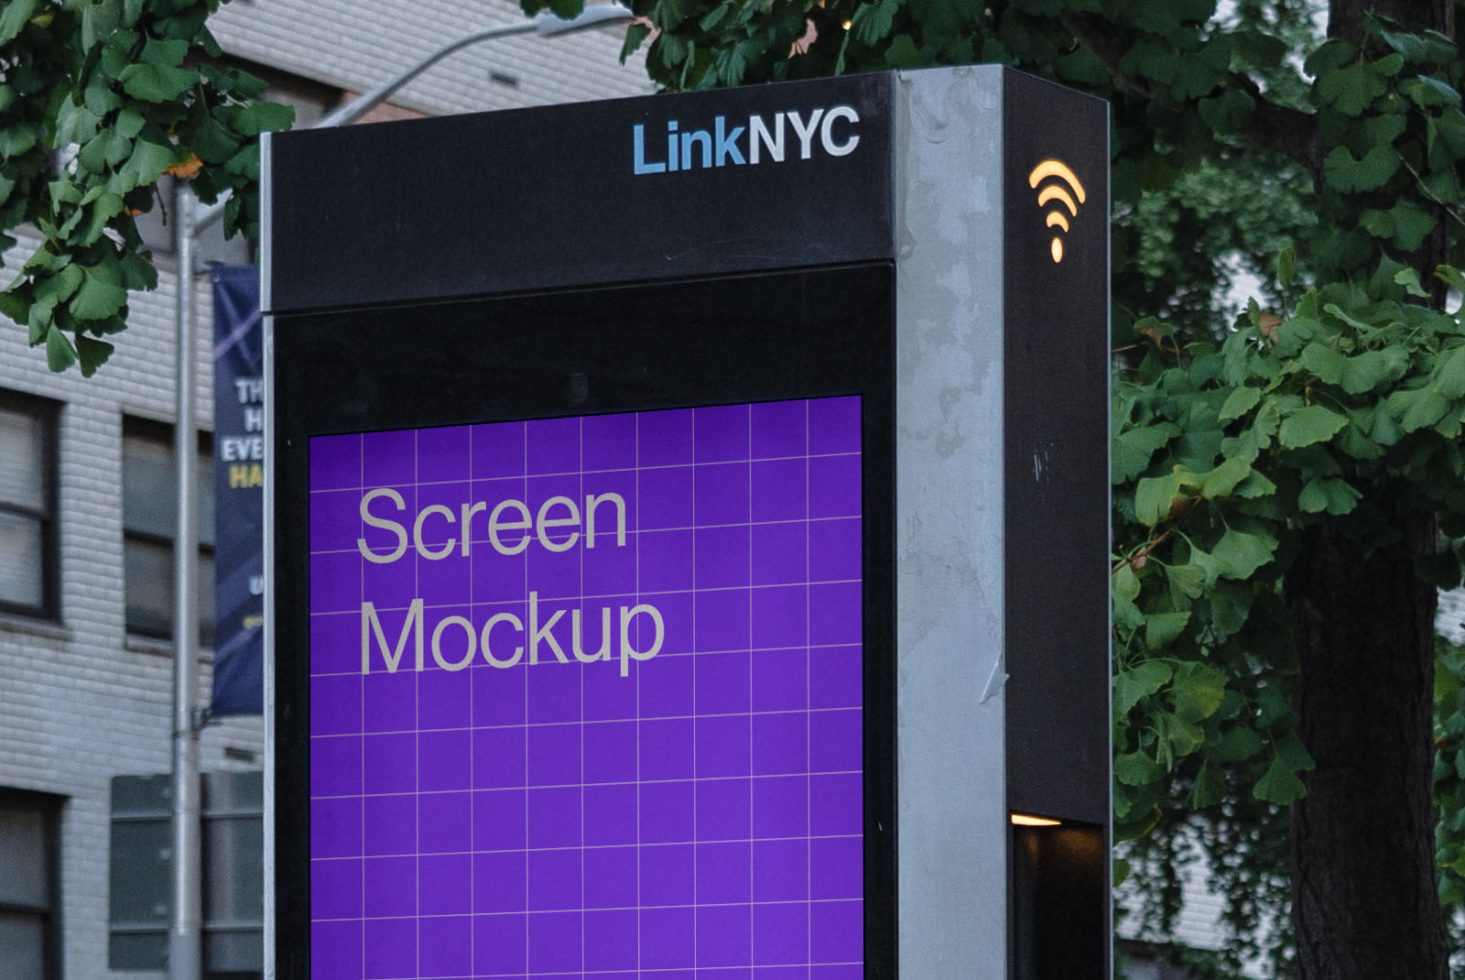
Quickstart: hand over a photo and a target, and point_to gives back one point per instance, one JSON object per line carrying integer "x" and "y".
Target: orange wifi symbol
{"x": 1064, "y": 188}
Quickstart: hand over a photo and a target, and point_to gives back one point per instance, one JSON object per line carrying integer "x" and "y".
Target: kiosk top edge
{"x": 725, "y": 181}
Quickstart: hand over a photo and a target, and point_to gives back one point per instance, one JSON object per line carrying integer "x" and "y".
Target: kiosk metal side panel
{"x": 949, "y": 530}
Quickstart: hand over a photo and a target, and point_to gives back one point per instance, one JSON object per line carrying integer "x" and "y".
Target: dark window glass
{"x": 29, "y": 900}
{"x": 28, "y": 558}
{"x": 149, "y": 509}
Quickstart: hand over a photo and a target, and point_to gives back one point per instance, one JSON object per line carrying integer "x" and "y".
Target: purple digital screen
{"x": 586, "y": 697}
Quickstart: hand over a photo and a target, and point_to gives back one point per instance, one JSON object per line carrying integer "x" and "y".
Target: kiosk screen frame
{"x": 746, "y": 353}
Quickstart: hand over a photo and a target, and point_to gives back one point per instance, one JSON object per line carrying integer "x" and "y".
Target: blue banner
{"x": 238, "y": 491}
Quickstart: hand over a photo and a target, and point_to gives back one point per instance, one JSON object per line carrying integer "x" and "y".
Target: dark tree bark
{"x": 1365, "y": 904}
{"x": 1364, "y": 897}
{"x": 1345, "y": 17}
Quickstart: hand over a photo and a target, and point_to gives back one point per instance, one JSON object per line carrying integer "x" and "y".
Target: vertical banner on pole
{"x": 238, "y": 490}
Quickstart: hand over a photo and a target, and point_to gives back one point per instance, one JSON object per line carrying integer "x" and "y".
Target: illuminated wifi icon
{"x": 1062, "y": 189}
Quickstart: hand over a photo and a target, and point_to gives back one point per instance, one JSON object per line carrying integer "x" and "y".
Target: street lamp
{"x": 185, "y": 937}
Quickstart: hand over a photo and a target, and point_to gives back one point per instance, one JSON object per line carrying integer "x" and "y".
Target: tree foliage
{"x": 99, "y": 100}
{"x": 1335, "y": 166}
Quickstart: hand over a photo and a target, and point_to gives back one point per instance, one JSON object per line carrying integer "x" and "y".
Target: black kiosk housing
{"x": 588, "y": 259}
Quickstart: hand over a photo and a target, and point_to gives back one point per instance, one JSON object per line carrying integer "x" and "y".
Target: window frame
{"x": 48, "y": 411}
{"x": 50, "y": 808}
{"x": 142, "y": 427}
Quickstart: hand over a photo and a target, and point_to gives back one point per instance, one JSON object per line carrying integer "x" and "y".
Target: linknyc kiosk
{"x": 689, "y": 534}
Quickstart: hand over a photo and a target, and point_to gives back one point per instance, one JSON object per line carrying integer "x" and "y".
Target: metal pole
{"x": 185, "y": 935}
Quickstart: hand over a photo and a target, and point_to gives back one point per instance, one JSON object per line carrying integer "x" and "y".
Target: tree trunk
{"x": 1365, "y": 903}
{"x": 1364, "y": 899}
{"x": 1345, "y": 17}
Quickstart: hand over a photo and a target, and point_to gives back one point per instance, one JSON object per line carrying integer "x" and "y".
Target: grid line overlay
{"x": 540, "y": 796}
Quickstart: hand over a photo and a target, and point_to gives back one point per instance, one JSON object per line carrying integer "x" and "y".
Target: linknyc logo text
{"x": 776, "y": 138}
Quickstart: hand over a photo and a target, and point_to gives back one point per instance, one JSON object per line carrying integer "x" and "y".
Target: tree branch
{"x": 1099, "y": 35}
{"x": 1290, "y": 132}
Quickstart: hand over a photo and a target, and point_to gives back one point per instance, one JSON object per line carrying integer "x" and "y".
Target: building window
{"x": 30, "y": 927}
{"x": 149, "y": 518}
{"x": 28, "y": 552}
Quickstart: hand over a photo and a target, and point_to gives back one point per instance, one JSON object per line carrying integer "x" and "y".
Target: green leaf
{"x": 1186, "y": 582}
{"x": 1286, "y": 266}
{"x": 1255, "y": 487}
{"x": 1450, "y": 372}
{"x": 1405, "y": 224}
{"x": 74, "y": 123}
{"x": 1258, "y": 49}
{"x": 1279, "y": 785}
{"x": 1419, "y": 48}
{"x": 1294, "y": 754}
{"x": 1427, "y": 92}
{"x": 1222, "y": 480}
{"x": 138, "y": 272}
{"x": 1350, "y": 90}
{"x": 1323, "y": 361}
{"x": 1348, "y": 175}
{"x": 1384, "y": 129}
{"x": 1134, "y": 447}
{"x": 1239, "y": 402}
{"x": 13, "y": 18}
{"x": 1155, "y": 496}
{"x": 1138, "y": 682}
{"x": 636, "y": 35}
{"x": 261, "y": 117}
{"x": 104, "y": 209}
{"x": 1236, "y": 745}
{"x": 1197, "y": 690}
{"x": 98, "y": 20}
{"x": 1209, "y": 787}
{"x": 100, "y": 99}
{"x": 903, "y": 53}
{"x": 58, "y": 288}
{"x": 167, "y": 53}
{"x": 1151, "y": 60}
{"x": 15, "y": 306}
{"x": 1181, "y": 736}
{"x": 1164, "y": 627}
{"x": 1309, "y": 425}
{"x": 16, "y": 139}
{"x": 1136, "y": 769}
{"x": 39, "y": 319}
{"x": 1239, "y": 554}
{"x": 147, "y": 163}
{"x": 97, "y": 298}
{"x": 1416, "y": 408}
{"x": 1409, "y": 279}
{"x": 1194, "y": 78}
{"x": 60, "y": 355}
{"x": 1227, "y": 113}
{"x": 92, "y": 353}
{"x": 872, "y": 20}
{"x": 107, "y": 149}
{"x": 129, "y": 123}
{"x": 156, "y": 83}
{"x": 1328, "y": 494}
{"x": 1367, "y": 371}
